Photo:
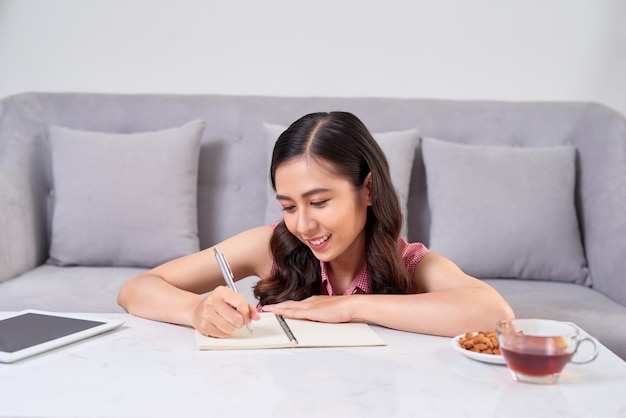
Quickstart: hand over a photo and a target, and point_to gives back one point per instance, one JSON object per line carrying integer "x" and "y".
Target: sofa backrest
{"x": 235, "y": 153}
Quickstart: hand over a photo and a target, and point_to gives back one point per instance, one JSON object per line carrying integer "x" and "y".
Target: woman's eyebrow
{"x": 305, "y": 194}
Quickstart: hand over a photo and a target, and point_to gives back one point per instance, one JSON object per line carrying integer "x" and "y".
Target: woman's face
{"x": 323, "y": 210}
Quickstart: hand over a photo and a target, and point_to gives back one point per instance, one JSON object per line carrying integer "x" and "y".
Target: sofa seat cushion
{"x": 587, "y": 308}
{"x": 66, "y": 289}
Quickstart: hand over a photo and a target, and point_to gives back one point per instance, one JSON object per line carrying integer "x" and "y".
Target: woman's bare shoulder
{"x": 258, "y": 236}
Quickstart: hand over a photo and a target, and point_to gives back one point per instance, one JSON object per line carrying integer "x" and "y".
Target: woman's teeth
{"x": 321, "y": 240}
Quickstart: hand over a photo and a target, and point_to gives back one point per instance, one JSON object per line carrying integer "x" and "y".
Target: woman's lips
{"x": 318, "y": 243}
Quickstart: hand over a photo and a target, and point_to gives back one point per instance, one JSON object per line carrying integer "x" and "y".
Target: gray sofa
{"x": 231, "y": 191}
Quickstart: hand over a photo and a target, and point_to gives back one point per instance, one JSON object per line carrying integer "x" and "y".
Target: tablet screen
{"x": 32, "y": 332}
{"x": 30, "y": 329}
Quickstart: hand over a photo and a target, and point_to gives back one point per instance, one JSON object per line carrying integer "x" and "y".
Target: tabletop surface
{"x": 152, "y": 369}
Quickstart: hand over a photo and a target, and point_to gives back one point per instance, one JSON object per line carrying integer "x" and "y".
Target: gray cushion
{"x": 399, "y": 148}
{"x": 504, "y": 211}
{"x": 124, "y": 199}
{"x": 12, "y": 218}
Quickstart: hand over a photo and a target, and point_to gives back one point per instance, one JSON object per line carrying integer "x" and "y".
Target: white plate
{"x": 487, "y": 358}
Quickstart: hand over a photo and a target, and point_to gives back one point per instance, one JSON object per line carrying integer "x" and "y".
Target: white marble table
{"x": 151, "y": 369}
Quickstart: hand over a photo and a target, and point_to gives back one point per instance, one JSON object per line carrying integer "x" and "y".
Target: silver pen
{"x": 228, "y": 274}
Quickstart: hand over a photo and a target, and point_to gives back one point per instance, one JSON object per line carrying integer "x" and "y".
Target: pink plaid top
{"x": 362, "y": 284}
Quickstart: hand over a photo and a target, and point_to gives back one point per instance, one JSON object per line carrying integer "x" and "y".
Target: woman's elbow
{"x": 123, "y": 295}
{"x": 502, "y": 310}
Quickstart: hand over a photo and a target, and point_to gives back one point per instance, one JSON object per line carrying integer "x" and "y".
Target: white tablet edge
{"x": 107, "y": 325}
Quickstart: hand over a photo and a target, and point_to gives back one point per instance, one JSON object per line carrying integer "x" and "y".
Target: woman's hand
{"x": 222, "y": 312}
{"x": 316, "y": 308}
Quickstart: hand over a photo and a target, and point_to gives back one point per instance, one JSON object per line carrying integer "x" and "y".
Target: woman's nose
{"x": 305, "y": 222}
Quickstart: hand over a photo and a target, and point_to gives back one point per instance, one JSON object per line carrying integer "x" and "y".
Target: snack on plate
{"x": 480, "y": 342}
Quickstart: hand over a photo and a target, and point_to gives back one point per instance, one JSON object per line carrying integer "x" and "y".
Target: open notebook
{"x": 274, "y": 331}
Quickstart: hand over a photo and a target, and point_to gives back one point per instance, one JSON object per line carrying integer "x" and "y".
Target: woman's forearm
{"x": 151, "y": 297}
{"x": 447, "y": 312}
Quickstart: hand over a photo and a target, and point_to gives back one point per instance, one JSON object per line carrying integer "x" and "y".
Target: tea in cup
{"x": 537, "y": 350}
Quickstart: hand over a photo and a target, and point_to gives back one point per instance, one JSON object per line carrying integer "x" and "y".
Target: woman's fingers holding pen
{"x": 222, "y": 312}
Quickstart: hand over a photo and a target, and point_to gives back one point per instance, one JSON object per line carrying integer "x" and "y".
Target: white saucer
{"x": 486, "y": 358}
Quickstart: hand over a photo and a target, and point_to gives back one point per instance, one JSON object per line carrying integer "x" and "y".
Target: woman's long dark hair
{"x": 342, "y": 142}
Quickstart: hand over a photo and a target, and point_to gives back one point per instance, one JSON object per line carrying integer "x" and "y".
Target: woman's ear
{"x": 367, "y": 189}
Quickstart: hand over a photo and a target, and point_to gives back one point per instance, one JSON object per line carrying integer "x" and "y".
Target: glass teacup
{"x": 537, "y": 350}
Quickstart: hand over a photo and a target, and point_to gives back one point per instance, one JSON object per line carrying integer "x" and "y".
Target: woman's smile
{"x": 319, "y": 243}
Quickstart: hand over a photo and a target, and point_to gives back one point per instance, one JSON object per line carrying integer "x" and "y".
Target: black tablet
{"x": 31, "y": 332}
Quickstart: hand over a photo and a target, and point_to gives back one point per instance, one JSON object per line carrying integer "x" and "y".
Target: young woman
{"x": 336, "y": 256}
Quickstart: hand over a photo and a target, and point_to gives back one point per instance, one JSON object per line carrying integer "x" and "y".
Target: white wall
{"x": 479, "y": 49}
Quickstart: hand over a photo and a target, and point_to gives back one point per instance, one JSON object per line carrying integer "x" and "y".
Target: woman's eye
{"x": 320, "y": 203}
{"x": 289, "y": 208}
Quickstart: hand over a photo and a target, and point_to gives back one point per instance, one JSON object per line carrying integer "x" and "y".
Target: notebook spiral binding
{"x": 286, "y": 328}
